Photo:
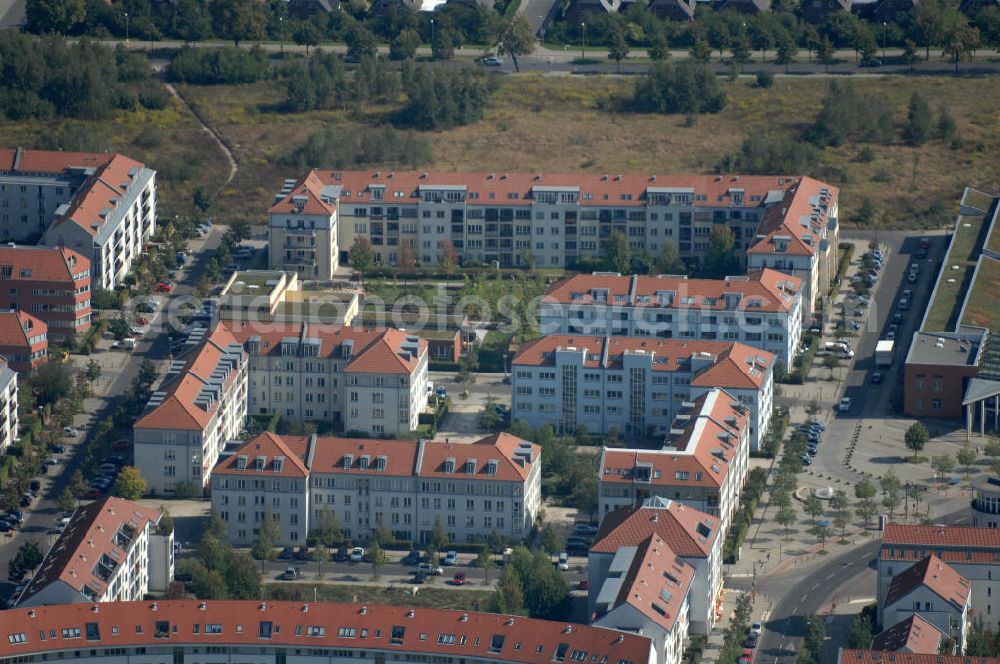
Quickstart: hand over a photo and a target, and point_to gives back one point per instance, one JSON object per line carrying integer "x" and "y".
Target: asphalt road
{"x": 803, "y": 591}
{"x": 40, "y": 517}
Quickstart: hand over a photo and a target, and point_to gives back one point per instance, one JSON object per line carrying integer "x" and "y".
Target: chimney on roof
{"x": 305, "y": 608}
{"x": 364, "y": 610}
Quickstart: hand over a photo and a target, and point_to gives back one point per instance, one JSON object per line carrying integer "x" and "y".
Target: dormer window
{"x": 348, "y": 461}
{"x": 279, "y": 464}
{"x": 381, "y": 462}
{"x": 491, "y": 467}
{"x": 449, "y": 465}
{"x": 259, "y": 463}
{"x": 363, "y": 462}
{"x": 241, "y": 463}
{"x": 470, "y": 466}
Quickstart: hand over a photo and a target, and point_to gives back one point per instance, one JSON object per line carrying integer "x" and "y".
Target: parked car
{"x": 458, "y": 579}
{"x": 70, "y": 431}
{"x": 441, "y": 393}
{"x": 58, "y": 449}
{"x": 357, "y": 554}
{"x": 583, "y": 585}
{"x": 291, "y": 573}
{"x": 844, "y": 405}
{"x": 756, "y": 629}
{"x": 491, "y": 61}
{"x": 584, "y": 529}
{"x": 286, "y": 553}
{"x": 51, "y": 461}
{"x": 806, "y": 460}
{"x": 750, "y": 641}
{"x": 873, "y": 63}
{"x": 419, "y": 577}
{"x": 164, "y": 287}
{"x": 876, "y": 377}
{"x": 450, "y": 559}
{"x": 563, "y": 563}
{"x": 412, "y": 558}
{"x": 428, "y": 568}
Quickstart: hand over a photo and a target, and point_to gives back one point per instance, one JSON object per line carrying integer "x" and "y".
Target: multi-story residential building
{"x": 561, "y": 218}
{"x": 847, "y": 656}
{"x": 100, "y": 205}
{"x": 200, "y": 406}
{"x": 647, "y": 591}
{"x": 369, "y": 381}
{"x": 492, "y": 485}
{"x": 799, "y": 235}
{"x": 635, "y": 384}
{"x": 52, "y": 283}
{"x": 24, "y": 340}
{"x": 763, "y": 309}
{"x": 8, "y": 405}
{"x": 274, "y": 632}
{"x": 912, "y": 635}
{"x": 265, "y": 296}
{"x": 111, "y": 551}
{"x": 703, "y": 462}
{"x": 302, "y": 226}
{"x": 692, "y": 535}
{"x": 972, "y": 552}
{"x": 933, "y": 590}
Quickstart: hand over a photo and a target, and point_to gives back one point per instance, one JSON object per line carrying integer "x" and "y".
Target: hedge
{"x": 772, "y": 443}
{"x": 804, "y": 361}
{"x": 268, "y": 422}
{"x": 843, "y": 265}
{"x": 6, "y": 467}
{"x": 92, "y": 335}
{"x": 752, "y": 491}
{"x": 433, "y": 420}
{"x": 442, "y": 366}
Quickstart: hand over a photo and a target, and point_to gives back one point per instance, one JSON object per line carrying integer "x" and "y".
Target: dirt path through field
{"x": 233, "y": 165}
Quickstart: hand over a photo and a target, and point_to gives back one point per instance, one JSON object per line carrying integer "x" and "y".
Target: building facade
{"x": 111, "y": 551}
{"x": 191, "y": 631}
{"x": 8, "y": 406}
{"x": 703, "y": 462}
{"x": 970, "y": 551}
{"x": 493, "y": 485}
{"x": 200, "y": 406}
{"x": 635, "y": 385}
{"x": 51, "y": 283}
{"x": 986, "y": 503}
{"x": 303, "y": 230}
{"x": 553, "y": 220}
{"x": 100, "y": 205}
{"x": 763, "y": 309}
{"x": 265, "y": 296}
{"x": 693, "y": 536}
{"x": 24, "y": 340}
{"x": 366, "y": 381}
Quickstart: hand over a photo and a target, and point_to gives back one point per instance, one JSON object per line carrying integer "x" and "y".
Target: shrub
{"x": 687, "y": 87}
{"x": 765, "y": 79}
{"x": 338, "y": 147}
{"x": 213, "y": 66}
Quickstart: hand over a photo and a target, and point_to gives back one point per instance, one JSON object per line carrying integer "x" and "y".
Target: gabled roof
{"x": 17, "y": 326}
{"x": 371, "y": 350}
{"x": 936, "y": 575}
{"x": 912, "y": 635}
{"x": 656, "y": 584}
{"x": 55, "y": 264}
{"x": 804, "y": 212}
{"x": 277, "y": 459}
{"x": 735, "y": 365}
{"x": 379, "y": 629}
{"x": 764, "y": 290}
{"x": 95, "y": 200}
{"x": 941, "y": 536}
{"x": 175, "y": 404}
{"x": 514, "y": 458}
{"x": 95, "y": 542}
{"x": 687, "y": 531}
{"x": 875, "y": 657}
{"x": 305, "y": 198}
{"x": 699, "y": 455}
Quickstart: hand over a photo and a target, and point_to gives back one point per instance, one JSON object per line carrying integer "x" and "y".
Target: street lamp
{"x": 126, "y": 27}
{"x": 583, "y": 28}
{"x": 281, "y": 34}
{"x": 884, "y": 25}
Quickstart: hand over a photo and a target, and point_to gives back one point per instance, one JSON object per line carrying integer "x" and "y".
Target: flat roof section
{"x": 944, "y": 348}
{"x": 956, "y": 273}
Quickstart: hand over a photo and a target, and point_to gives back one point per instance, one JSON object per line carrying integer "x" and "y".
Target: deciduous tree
{"x": 916, "y": 437}
{"x": 516, "y": 39}
{"x": 130, "y": 484}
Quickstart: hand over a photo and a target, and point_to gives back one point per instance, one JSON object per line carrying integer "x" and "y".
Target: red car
{"x": 93, "y": 494}
{"x": 458, "y": 579}
{"x": 584, "y": 584}
{"x": 164, "y": 287}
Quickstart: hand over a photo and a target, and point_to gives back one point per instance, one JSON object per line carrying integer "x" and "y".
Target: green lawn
{"x": 492, "y": 350}
{"x": 982, "y": 310}
{"x": 954, "y": 283}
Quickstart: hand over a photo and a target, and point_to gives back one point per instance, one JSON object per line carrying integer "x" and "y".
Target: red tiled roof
{"x": 178, "y": 409}
{"x": 90, "y": 534}
{"x": 681, "y": 527}
{"x": 793, "y": 218}
{"x": 270, "y": 448}
{"x": 848, "y": 656}
{"x": 375, "y": 628}
{"x": 656, "y": 583}
{"x": 936, "y": 575}
{"x": 941, "y": 536}
{"x": 501, "y": 447}
{"x": 50, "y": 161}
{"x": 373, "y": 350}
{"x": 733, "y": 360}
{"x": 17, "y": 326}
{"x": 46, "y": 263}
{"x": 511, "y": 189}
{"x": 309, "y": 190}
{"x": 914, "y": 634}
{"x": 769, "y": 290}
{"x": 713, "y": 431}
{"x": 954, "y": 557}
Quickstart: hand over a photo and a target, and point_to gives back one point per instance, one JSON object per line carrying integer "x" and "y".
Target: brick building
{"x": 23, "y": 340}
{"x": 51, "y": 283}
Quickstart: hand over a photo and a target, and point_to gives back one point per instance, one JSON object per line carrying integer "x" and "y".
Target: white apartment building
{"x": 635, "y": 384}
{"x": 933, "y": 590}
{"x": 647, "y": 591}
{"x": 474, "y": 489}
{"x": 694, "y": 537}
{"x": 557, "y": 218}
{"x": 192, "y": 631}
{"x": 99, "y": 204}
{"x": 302, "y": 227}
{"x": 200, "y": 406}
{"x": 971, "y": 552}
{"x": 109, "y": 552}
{"x": 8, "y": 405}
{"x": 366, "y": 381}
{"x": 703, "y": 463}
{"x": 800, "y": 236}
{"x": 762, "y": 309}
